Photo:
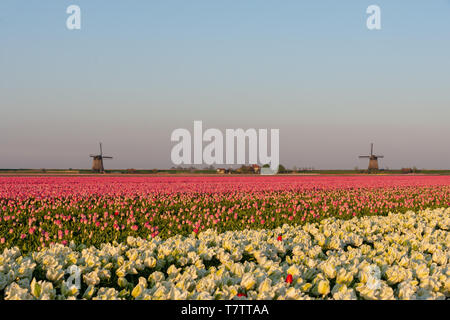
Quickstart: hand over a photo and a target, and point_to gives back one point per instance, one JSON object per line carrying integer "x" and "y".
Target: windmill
{"x": 373, "y": 159}
{"x": 97, "y": 162}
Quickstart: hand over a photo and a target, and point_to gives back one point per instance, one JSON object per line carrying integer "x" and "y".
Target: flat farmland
{"x": 271, "y": 237}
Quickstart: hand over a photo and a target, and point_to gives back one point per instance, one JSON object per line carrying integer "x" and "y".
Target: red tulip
{"x": 289, "y": 278}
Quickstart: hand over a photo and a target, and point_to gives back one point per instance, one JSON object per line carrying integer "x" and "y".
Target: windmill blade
{"x": 364, "y": 156}
{"x": 101, "y": 152}
{"x": 106, "y": 157}
{"x": 380, "y": 156}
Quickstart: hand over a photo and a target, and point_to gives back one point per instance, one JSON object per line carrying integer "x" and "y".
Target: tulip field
{"x": 264, "y": 237}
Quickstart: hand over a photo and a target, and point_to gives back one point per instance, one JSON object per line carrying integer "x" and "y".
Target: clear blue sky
{"x": 137, "y": 70}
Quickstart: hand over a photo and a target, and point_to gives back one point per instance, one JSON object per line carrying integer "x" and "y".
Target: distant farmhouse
{"x": 223, "y": 171}
{"x": 256, "y": 169}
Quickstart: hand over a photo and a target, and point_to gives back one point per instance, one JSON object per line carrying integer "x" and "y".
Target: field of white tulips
{"x": 399, "y": 256}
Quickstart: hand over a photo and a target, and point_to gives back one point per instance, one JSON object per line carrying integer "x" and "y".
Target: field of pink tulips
{"x": 36, "y": 212}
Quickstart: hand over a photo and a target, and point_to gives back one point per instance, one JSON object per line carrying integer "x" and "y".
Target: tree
{"x": 281, "y": 169}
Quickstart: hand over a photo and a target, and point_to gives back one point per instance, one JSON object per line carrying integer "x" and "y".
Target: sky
{"x": 138, "y": 70}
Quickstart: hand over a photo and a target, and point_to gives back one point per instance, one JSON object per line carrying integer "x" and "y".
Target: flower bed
{"x": 37, "y": 212}
{"x": 398, "y": 256}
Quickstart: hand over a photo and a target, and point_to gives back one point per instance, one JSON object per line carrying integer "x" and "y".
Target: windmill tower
{"x": 373, "y": 159}
{"x": 97, "y": 162}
